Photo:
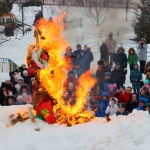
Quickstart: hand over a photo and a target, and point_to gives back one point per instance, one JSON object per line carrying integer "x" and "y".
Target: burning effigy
{"x": 45, "y": 57}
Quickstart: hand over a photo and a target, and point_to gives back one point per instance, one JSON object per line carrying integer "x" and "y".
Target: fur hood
{"x": 121, "y": 49}
{"x": 147, "y": 74}
{"x": 147, "y": 64}
{"x": 131, "y": 49}
{"x": 24, "y": 86}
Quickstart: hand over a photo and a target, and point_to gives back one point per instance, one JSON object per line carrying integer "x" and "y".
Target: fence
{"x": 6, "y": 65}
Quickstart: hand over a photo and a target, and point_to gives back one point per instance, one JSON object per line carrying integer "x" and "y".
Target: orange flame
{"x": 53, "y": 77}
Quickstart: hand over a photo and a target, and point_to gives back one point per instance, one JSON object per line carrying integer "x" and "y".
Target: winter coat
{"x": 105, "y": 84}
{"x": 117, "y": 95}
{"x": 133, "y": 59}
{"x": 121, "y": 58}
{"x": 27, "y": 80}
{"x": 101, "y": 107}
{"x": 90, "y": 58}
{"x": 143, "y": 51}
{"x": 106, "y": 69}
{"x": 111, "y": 45}
{"x": 24, "y": 98}
{"x": 82, "y": 62}
{"x": 111, "y": 110}
{"x": 21, "y": 70}
{"x": 111, "y": 94}
{"x": 125, "y": 113}
{"x": 100, "y": 76}
{"x": 77, "y": 53}
{"x": 104, "y": 52}
{"x": 136, "y": 76}
{"x": 118, "y": 77}
{"x": 131, "y": 105}
{"x": 2, "y": 98}
{"x": 9, "y": 87}
{"x": 12, "y": 79}
{"x": 124, "y": 98}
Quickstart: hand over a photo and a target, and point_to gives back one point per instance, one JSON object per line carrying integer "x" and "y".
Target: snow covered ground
{"x": 121, "y": 133}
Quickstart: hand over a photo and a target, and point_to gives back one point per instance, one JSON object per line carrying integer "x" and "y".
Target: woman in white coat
{"x": 112, "y": 108}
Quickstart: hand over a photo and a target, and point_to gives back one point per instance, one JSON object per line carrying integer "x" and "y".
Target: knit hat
{"x": 147, "y": 104}
{"x": 25, "y": 71}
{"x": 111, "y": 86}
{"x": 107, "y": 74}
{"x": 100, "y": 62}
{"x": 20, "y": 79}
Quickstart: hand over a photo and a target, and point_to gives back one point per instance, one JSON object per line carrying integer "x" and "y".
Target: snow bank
{"x": 123, "y": 132}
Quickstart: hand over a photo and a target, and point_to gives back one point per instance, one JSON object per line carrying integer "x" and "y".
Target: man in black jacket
{"x": 117, "y": 76}
{"x": 89, "y": 55}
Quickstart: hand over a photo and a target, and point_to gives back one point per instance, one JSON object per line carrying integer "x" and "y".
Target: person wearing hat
{"x": 136, "y": 77}
{"x": 12, "y": 79}
{"x": 20, "y": 82}
{"x": 106, "y": 82}
{"x": 8, "y": 85}
{"x": 100, "y": 73}
{"x": 121, "y": 111}
{"x": 104, "y": 51}
{"x": 102, "y": 105}
{"x": 147, "y": 107}
{"x": 141, "y": 104}
{"x": 112, "y": 108}
{"x": 117, "y": 76}
{"x": 22, "y": 68}
{"x": 89, "y": 55}
{"x": 111, "y": 45}
{"x": 142, "y": 47}
{"x": 26, "y": 78}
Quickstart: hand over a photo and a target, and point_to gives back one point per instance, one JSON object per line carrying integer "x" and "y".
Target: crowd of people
{"x": 109, "y": 96}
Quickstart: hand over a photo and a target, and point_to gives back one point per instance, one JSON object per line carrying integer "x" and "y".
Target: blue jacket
{"x": 140, "y": 108}
{"x": 102, "y": 106}
{"x": 143, "y": 98}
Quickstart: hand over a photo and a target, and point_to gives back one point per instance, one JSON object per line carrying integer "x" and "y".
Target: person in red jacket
{"x": 126, "y": 96}
{"x": 119, "y": 93}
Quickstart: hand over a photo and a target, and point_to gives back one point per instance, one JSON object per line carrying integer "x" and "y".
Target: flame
{"x": 53, "y": 77}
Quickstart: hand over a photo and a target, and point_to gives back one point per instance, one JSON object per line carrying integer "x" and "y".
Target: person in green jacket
{"x": 132, "y": 58}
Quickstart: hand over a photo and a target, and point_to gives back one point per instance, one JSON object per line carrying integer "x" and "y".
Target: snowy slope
{"x": 123, "y": 132}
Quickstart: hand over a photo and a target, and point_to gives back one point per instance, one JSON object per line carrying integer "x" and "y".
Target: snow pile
{"x": 123, "y": 132}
